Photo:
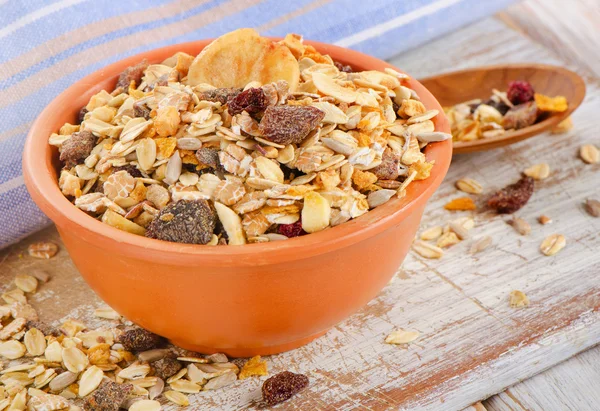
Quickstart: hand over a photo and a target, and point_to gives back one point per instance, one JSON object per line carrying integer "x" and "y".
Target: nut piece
{"x": 427, "y": 250}
{"x": 138, "y": 339}
{"x": 42, "y": 250}
{"x": 186, "y": 221}
{"x": 553, "y": 244}
{"x": 592, "y": 207}
{"x": 518, "y": 299}
{"x": 590, "y": 154}
{"x": 402, "y": 337}
{"x": 538, "y": 171}
{"x": 283, "y": 386}
{"x": 468, "y": 185}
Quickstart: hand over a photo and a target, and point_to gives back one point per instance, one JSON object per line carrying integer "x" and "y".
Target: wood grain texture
{"x": 472, "y": 343}
{"x": 468, "y": 84}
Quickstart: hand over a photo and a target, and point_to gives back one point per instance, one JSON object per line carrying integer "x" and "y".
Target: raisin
{"x": 134, "y": 73}
{"x": 289, "y": 124}
{"x": 108, "y": 396}
{"x": 166, "y": 367}
{"x": 141, "y": 110}
{"x": 512, "y": 197}
{"x": 291, "y": 230}
{"x": 283, "y": 386}
{"x": 252, "y": 101}
{"x": 186, "y": 221}
{"x": 76, "y": 149}
{"x": 209, "y": 157}
{"x": 219, "y": 95}
{"x": 132, "y": 170}
{"x": 389, "y": 167}
{"x": 81, "y": 115}
{"x": 343, "y": 67}
{"x": 519, "y": 92}
{"x": 520, "y": 116}
{"x": 138, "y": 339}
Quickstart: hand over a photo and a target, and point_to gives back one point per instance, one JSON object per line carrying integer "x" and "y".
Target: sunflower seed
{"x": 185, "y": 386}
{"x": 468, "y": 185}
{"x": 592, "y": 207}
{"x": 427, "y": 250}
{"x": 481, "y": 244}
{"x": 156, "y": 389}
{"x": 220, "y": 381}
{"x": 173, "y": 170}
{"x": 433, "y": 136}
{"x": 189, "y": 143}
{"x": 402, "y": 337}
{"x": 62, "y": 381}
{"x": 153, "y": 355}
{"x": 379, "y": 197}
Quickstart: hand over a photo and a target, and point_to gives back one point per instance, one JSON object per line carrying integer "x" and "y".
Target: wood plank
{"x": 473, "y": 344}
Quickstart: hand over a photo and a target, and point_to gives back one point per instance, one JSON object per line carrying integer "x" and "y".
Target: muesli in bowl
{"x": 201, "y": 151}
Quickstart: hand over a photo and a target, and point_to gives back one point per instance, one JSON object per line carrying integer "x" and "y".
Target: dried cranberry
{"x": 252, "y": 101}
{"x": 343, "y": 67}
{"x": 520, "y": 116}
{"x": 289, "y": 124}
{"x": 519, "y": 92}
{"x": 511, "y": 198}
{"x": 291, "y": 230}
{"x": 283, "y": 386}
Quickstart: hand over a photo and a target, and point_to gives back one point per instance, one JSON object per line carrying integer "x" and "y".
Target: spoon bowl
{"x": 464, "y": 85}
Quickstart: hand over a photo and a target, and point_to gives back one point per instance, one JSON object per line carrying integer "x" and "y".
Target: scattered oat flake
{"x": 431, "y": 233}
{"x": 27, "y": 283}
{"x": 481, "y": 244}
{"x": 107, "y": 313}
{"x": 461, "y": 204}
{"x": 538, "y": 171}
{"x": 589, "y": 154}
{"x": 563, "y": 126}
{"x": 521, "y": 226}
{"x": 518, "y": 299}
{"x": 402, "y": 337}
{"x": 254, "y": 366}
{"x": 427, "y": 250}
{"x": 43, "y": 250}
{"x": 553, "y": 244}
{"x": 468, "y": 185}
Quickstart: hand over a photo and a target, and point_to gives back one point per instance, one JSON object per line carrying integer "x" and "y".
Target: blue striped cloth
{"x": 45, "y": 46}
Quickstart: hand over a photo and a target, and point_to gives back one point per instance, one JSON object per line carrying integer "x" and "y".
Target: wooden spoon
{"x": 460, "y": 86}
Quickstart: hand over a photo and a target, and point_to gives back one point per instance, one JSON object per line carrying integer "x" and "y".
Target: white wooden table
{"x": 472, "y": 345}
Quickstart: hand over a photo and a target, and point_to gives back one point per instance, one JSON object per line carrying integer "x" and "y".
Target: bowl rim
{"x": 43, "y": 187}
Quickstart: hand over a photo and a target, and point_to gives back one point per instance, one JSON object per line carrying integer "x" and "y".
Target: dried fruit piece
{"x": 252, "y": 57}
{"x": 519, "y": 92}
{"x": 553, "y": 104}
{"x": 108, "y": 396}
{"x": 518, "y": 299}
{"x": 166, "y": 367}
{"x": 291, "y": 230}
{"x": 402, "y": 337}
{"x": 209, "y": 157}
{"x": 553, "y": 244}
{"x": 191, "y": 222}
{"x": 538, "y": 171}
{"x": 589, "y": 154}
{"x": 231, "y": 223}
{"x": 138, "y": 339}
{"x": 512, "y": 197}
{"x": 315, "y": 213}
{"x": 133, "y": 73}
{"x": 289, "y": 124}
{"x": 252, "y": 101}
{"x": 468, "y": 185}
{"x": 461, "y": 204}
{"x": 220, "y": 95}
{"x": 254, "y": 366}
{"x": 44, "y": 250}
{"x": 592, "y": 207}
{"x": 283, "y": 386}
{"x": 520, "y": 116}
{"x": 77, "y": 148}
{"x": 544, "y": 219}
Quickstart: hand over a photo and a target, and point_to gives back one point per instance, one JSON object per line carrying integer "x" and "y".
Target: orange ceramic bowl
{"x": 240, "y": 300}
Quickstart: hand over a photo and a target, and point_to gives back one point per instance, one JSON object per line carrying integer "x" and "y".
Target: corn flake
{"x": 363, "y": 179}
{"x": 254, "y": 366}
{"x": 165, "y": 146}
{"x": 556, "y": 104}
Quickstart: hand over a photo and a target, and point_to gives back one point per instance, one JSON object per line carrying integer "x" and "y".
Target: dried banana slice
{"x": 237, "y": 58}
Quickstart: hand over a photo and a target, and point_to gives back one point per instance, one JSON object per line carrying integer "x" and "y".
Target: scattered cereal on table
{"x": 518, "y": 299}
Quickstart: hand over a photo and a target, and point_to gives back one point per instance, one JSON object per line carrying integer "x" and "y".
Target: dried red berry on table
{"x": 134, "y": 73}
{"x": 108, "y": 396}
{"x": 343, "y": 67}
{"x": 76, "y": 149}
{"x": 252, "y": 101}
{"x": 220, "y": 95}
{"x": 166, "y": 367}
{"x": 511, "y": 198}
{"x": 289, "y": 124}
{"x": 520, "y": 116}
{"x": 138, "y": 339}
{"x": 186, "y": 221}
{"x": 291, "y": 230}
{"x": 519, "y": 92}
{"x": 388, "y": 169}
{"x": 283, "y": 386}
